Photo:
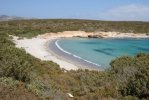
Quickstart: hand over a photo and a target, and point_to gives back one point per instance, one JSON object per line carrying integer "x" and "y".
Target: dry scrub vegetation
{"x": 24, "y": 77}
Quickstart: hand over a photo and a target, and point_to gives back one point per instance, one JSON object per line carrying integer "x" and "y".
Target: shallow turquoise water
{"x": 102, "y": 51}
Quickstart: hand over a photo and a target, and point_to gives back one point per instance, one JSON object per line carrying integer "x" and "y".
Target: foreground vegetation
{"x": 24, "y": 77}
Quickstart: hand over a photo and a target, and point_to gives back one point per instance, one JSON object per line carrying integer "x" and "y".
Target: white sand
{"x": 36, "y": 46}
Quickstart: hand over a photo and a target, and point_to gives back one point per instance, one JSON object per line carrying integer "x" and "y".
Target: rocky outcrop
{"x": 82, "y": 34}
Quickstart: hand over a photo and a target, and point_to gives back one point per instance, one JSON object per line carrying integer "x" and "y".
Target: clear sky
{"x": 82, "y": 9}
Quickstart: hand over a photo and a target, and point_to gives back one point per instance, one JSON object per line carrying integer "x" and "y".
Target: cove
{"x": 103, "y": 51}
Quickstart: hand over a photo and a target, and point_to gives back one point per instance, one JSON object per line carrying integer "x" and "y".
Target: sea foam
{"x": 60, "y": 48}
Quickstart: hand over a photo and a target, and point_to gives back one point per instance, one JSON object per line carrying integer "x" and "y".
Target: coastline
{"x": 70, "y": 58}
{"x": 36, "y": 47}
{"x": 39, "y": 46}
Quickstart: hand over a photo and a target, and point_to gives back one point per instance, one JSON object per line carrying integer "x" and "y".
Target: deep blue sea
{"x": 103, "y": 51}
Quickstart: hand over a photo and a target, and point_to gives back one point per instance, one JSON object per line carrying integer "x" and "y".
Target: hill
{"x": 34, "y": 27}
{"x": 7, "y": 18}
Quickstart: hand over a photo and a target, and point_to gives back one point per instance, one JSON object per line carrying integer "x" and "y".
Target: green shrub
{"x": 8, "y": 81}
{"x": 133, "y": 74}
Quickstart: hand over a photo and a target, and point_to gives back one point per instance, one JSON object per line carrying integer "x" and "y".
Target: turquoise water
{"x": 102, "y": 51}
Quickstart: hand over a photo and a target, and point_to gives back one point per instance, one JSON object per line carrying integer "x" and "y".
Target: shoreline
{"x": 38, "y": 46}
{"x": 71, "y": 58}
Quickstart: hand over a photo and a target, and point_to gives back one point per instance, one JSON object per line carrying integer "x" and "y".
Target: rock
{"x": 95, "y": 36}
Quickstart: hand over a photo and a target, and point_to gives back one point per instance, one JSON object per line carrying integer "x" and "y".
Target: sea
{"x": 102, "y": 51}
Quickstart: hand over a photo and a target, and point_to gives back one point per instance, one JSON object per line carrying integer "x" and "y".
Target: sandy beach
{"x": 44, "y": 48}
{"x": 37, "y": 48}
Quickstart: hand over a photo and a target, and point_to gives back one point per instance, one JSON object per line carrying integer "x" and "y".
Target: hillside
{"x": 24, "y": 75}
{"x": 34, "y": 27}
{"x": 8, "y": 18}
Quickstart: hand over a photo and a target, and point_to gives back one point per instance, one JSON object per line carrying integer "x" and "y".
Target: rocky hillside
{"x": 7, "y": 18}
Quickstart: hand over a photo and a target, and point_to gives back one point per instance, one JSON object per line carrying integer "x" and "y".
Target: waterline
{"x": 60, "y": 48}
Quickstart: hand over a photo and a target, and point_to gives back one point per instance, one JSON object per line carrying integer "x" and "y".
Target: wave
{"x": 59, "y": 47}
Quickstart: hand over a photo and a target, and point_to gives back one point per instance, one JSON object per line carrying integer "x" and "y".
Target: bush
{"x": 133, "y": 73}
{"x": 13, "y": 64}
{"x": 7, "y": 81}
